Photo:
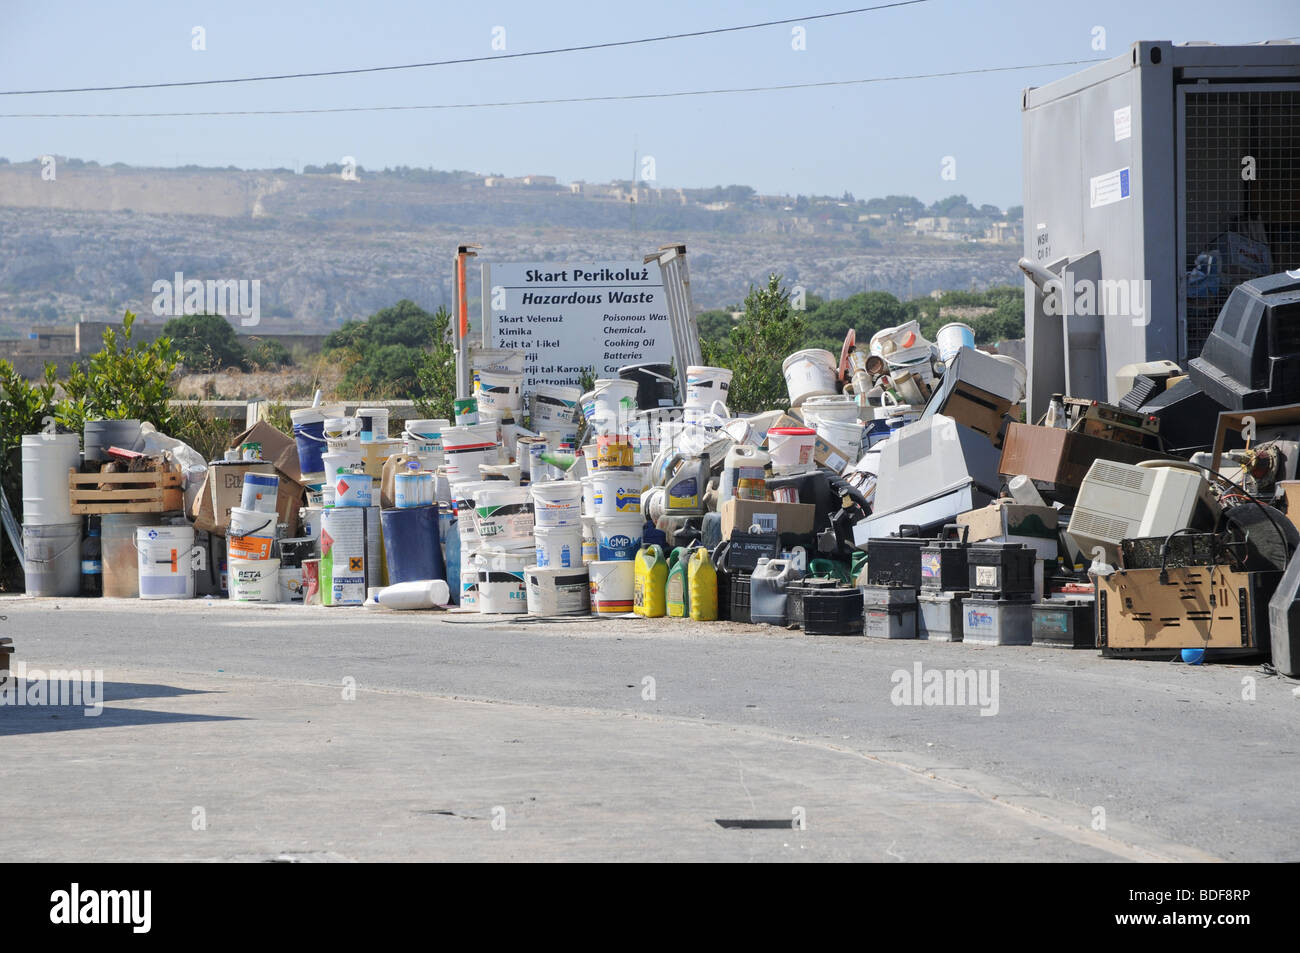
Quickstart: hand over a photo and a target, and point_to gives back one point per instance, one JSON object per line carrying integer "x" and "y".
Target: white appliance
{"x": 1119, "y": 501}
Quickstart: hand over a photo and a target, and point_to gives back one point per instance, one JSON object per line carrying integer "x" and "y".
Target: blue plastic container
{"x": 411, "y": 544}
{"x": 310, "y": 438}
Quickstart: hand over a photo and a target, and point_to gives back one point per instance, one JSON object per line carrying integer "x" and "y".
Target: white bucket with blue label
{"x": 613, "y": 493}
{"x": 260, "y": 490}
{"x": 353, "y": 489}
{"x": 618, "y": 537}
{"x": 558, "y": 547}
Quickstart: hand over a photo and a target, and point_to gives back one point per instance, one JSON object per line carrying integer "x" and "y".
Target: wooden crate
{"x": 151, "y": 492}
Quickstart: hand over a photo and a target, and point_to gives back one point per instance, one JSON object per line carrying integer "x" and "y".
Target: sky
{"x": 872, "y": 139}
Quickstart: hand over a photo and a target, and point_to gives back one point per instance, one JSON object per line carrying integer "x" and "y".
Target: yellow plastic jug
{"x": 703, "y": 586}
{"x": 649, "y": 583}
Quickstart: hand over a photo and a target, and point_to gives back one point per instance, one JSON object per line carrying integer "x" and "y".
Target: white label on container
{"x": 766, "y": 522}
{"x": 1108, "y": 188}
{"x": 986, "y": 576}
{"x": 1123, "y": 123}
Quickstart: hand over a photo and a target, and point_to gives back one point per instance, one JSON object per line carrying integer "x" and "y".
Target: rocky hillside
{"x": 94, "y": 240}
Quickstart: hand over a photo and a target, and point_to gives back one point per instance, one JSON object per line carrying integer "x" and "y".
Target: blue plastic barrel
{"x": 411, "y": 544}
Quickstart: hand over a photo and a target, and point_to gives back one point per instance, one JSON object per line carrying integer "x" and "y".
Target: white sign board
{"x": 571, "y": 316}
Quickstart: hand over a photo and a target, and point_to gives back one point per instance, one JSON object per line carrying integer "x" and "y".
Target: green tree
{"x": 759, "y": 342}
{"x": 436, "y": 375}
{"x": 384, "y": 353}
{"x": 122, "y": 380}
{"x": 266, "y": 354}
{"x": 206, "y": 342}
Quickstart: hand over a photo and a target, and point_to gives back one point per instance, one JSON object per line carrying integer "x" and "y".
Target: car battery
{"x": 1065, "y": 623}
{"x": 888, "y": 612}
{"x": 894, "y": 561}
{"x": 943, "y": 560}
{"x": 939, "y": 615}
{"x": 1000, "y": 570}
{"x": 997, "y": 621}
{"x": 795, "y": 593}
{"x": 746, "y": 549}
{"x": 833, "y": 610}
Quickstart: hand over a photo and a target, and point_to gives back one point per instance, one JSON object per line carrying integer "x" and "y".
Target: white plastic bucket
{"x": 500, "y": 473}
{"x": 553, "y": 592}
{"x": 164, "y": 554}
{"x": 501, "y": 588}
{"x": 254, "y": 580}
{"x": 554, "y": 405}
{"x": 342, "y": 428}
{"x": 496, "y": 359}
{"x": 500, "y": 393}
{"x": 618, "y": 537}
{"x": 464, "y": 448}
{"x": 791, "y": 446}
{"x": 466, "y": 520}
{"x": 846, "y": 435}
{"x": 705, "y": 384}
{"x": 837, "y": 407}
{"x": 557, "y": 503}
{"x": 374, "y": 423}
{"x": 809, "y": 373}
{"x": 46, "y": 460}
{"x": 424, "y": 436}
{"x": 558, "y": 546}
{"x": 611, "y": 587}
{"x": 353, "y": 489}
{"x": 952, "y": 338}
{"x": 503, "y": 515}
{"x": 260, "y": 491}
{"x": 469, "y": 576}
{"x": 292, "y": 584}
{"x": 613, "y": 492}
{"x": 340, "y": 460}
{"x": 250, "y": 534}
{"x": 610, "y": 405}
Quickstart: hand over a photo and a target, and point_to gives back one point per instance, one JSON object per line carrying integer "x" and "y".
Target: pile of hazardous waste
{"x": 900, "y": 494}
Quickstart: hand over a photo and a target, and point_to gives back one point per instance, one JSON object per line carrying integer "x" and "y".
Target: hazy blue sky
{"x": 870, "y": 140}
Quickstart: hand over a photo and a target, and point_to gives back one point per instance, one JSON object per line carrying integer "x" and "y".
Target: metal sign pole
{"x": 463, "y": 375}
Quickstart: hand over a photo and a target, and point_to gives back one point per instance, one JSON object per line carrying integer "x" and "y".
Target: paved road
{"x": 493, "y": 738}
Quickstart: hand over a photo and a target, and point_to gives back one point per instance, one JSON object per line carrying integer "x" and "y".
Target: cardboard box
{"x": 224, "y": 487}
{"x": 831, "y": 457}
{"x": 277, "y": 449}
{"x": 787, "y": 518}
{"x": 1035, "y": 526}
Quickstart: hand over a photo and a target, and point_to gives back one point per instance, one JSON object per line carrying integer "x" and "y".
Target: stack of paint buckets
{"x": 612, "y": 495}
{"x": 470, "y": 442}
{"x": 254, "y": 570}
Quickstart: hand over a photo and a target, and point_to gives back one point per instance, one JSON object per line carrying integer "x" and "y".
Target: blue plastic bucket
{"x": 411, "y": 544}
{"x": 309, "y": 435}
